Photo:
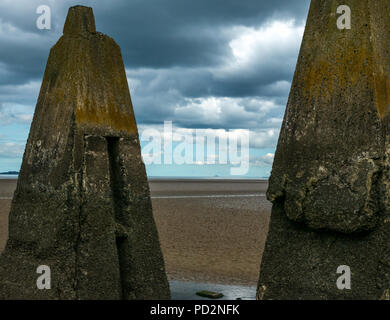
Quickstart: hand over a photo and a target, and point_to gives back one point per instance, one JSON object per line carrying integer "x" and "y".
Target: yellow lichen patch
{"x": 382, "y": 93}
{"x": 107, "y": 116}
{"x": 315, "y": 76}
{"x": 94, "y": 81}
{"x": 326, "y": 74}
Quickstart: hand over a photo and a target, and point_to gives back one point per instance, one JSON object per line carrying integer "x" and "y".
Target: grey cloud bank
{"x": 202, "y": 64}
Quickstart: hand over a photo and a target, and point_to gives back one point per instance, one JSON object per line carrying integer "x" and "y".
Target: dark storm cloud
{"x": 153, "y": 33}
{"x": 175, "y": 52}
{"x": 166, "y": 33}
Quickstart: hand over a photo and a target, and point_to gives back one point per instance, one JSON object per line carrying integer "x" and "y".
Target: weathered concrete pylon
{"x": 330, "y": 182}
{"x": 82, "y": 204}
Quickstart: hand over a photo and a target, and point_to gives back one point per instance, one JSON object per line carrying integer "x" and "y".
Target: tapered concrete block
{"x": 82, "y": 204}
{"x": 330, "y": 179}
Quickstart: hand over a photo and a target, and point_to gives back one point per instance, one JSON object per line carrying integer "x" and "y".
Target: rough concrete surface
{"x": 82, "y": 203}
{"x": 329, "y": 184}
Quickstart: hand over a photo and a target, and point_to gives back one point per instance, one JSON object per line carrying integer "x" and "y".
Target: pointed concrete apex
{"x": 80, "y": 19}
{"x": 82, "y": 205}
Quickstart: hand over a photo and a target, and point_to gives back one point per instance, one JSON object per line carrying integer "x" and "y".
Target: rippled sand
{"x": 210, "y": 230}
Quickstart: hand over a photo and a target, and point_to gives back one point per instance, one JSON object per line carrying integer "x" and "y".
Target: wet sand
{"x": 211, "y": 231}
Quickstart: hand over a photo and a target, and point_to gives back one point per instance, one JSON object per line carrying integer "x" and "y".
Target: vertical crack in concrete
{"x": 116, "y": 183}
{"x": 80, "y": 190}
{"x": 98, "y": 235}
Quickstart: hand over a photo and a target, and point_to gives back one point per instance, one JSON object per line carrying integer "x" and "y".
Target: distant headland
{"x": 10, "y": 172}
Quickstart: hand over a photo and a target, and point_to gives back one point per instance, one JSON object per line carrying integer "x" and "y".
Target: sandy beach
{"x": 210, "y": 230}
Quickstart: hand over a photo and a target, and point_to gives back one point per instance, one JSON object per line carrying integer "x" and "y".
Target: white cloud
{"x": 262, "y": 161}
{"x": 228, "y": 112}
{"x": 11, "y": 150}
{"x": 15, "y": 113}
{"x": 261, "y": 58}
{"x": 258, "y": 138}
{"x": 264, "y": 138}
{"x": 268, "y": 46}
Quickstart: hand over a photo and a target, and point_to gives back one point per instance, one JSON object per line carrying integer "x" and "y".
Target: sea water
{"x": 183, "y": 290}
{"x": 8, "y": 176}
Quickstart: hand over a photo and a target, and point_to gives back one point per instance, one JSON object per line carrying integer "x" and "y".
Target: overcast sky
{"x": 207, "y": 64}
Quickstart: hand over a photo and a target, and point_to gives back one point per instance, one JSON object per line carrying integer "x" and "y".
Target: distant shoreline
{"x": 4, "y": 176}
{"x": 206, "y": 179}
{"x": 10, "y": 173}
